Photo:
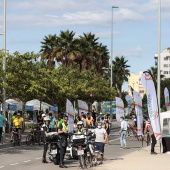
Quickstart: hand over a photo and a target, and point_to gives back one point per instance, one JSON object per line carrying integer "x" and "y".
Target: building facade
{"x": 164, "y": 62}
{"x": 134, "y": 81}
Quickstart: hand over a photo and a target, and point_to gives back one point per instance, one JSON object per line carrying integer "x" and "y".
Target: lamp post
{"x": 4, "y": 62}
{"x": 111, "y": 67}
{"x": 159, "y": 59}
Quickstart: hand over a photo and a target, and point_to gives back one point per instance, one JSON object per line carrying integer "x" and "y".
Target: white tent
{"x": 12, "y": 101}
{"x": 165, "y": 115}
{"x": 36, "y": 103}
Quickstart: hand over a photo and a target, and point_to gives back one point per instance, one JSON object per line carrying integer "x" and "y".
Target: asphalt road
{"x": 29, "y": 157}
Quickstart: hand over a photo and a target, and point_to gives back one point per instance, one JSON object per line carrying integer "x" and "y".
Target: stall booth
{"x": 165, "y": 130}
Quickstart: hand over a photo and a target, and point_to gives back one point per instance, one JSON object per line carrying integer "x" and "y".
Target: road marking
{"x": 14, "y": 164}
{"x": 114, "y": 140}
{"x": 38, "y": 158}
{"x": 2, "y": 166}
{"x": 27, "y": 161}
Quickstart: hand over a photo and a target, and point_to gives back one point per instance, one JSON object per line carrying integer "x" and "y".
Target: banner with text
{"x": 166, "y": 95}
{"x": 83, "y": 107}
{"x": 70, "y": 113}
{"x": 149, "y": 86}
{"x": 138, "y": 110}
{"x": 119, "y": 108}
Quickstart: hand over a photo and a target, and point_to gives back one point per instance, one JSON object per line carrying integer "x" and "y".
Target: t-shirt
{"x": 100, "y": 133}
{"x": 124, "y": 125}
{"x": 52, "y": 122}
{"x": 18, "y": 122}
{"x": 2, "y": 119}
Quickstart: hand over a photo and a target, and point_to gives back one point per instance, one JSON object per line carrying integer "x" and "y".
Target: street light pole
{"x": 4, "y": 62}
{"x": 159, "y": 56}
{"x": 111, "y": 67}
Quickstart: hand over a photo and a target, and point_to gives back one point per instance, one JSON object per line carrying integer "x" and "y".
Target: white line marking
{"x": 2, "y": 166}
{"x": 27, "y": 161}
{"x": 14, "y": 164}
{"x": 114, "y": 140}
{"x": 38, "y": 158}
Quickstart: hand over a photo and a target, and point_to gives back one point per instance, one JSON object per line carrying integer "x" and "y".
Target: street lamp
{"x": 159, "y": 59}
{"x": 111, "y": 67}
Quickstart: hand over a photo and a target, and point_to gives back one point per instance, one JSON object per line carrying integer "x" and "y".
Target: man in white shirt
{"x": 122, "y": 132}
{"x": 101, "y": 137}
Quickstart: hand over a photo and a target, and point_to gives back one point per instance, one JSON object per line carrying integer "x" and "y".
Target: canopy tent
{"x": 165, "y": 115}
{"x": 36, "y": 104}
{"x": 14, "y": 102}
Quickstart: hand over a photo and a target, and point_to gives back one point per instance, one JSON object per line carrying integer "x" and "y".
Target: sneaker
{"x": 121, "y": 148}
{"x": 153, "y": 153}
{"x": 125, "y": 146}
{"x": 100, "y": 163}
{"x": 11, "y": 140}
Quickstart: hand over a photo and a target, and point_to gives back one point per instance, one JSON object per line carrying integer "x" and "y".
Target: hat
{"x": 43, "y": 115}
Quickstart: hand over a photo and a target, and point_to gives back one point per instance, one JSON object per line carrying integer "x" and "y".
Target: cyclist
{"x": 17, "y": 124}
{"x": 45, "y": 130}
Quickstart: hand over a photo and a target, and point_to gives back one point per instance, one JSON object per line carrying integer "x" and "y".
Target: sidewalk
{"x": 139, "y": 160}
{"x": 7, "y": 142}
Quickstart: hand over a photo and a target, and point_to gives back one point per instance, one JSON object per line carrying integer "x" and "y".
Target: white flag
{"x": 119, "y": 108}
{"x": 83, "y": 107}
{"x": 149, "y": 86}
{"x": 166, "y": 95}
{"x": 70, "y": 112}
{"x": 138, "y": 110}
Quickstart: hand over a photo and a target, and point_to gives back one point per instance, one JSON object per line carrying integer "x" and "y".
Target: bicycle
{"x": 33, "y": 137}
{"x": 16, "y": 141}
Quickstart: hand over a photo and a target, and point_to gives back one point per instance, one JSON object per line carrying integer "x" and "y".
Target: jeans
{"x": 123, "y": 138}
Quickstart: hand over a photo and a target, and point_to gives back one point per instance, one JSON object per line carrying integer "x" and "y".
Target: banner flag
{"x": 138, "y": 110}
{"x": 166, "y": 95}
{"x": 70, "y": 113}
{"x": 119, "y": 108}
{"x": 83, "y": 107}
{"x": 149, "y": 86}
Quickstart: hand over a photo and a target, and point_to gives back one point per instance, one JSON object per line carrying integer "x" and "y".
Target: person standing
{"x": 52, "y": 122}
{"x": 101, "y": 137}
{"x": 2, "y": 121}
{"x": 153, "y": 141}
{"x": 122, "y": 132}
{"x": 45, "y": 130}
{"x": 63, "y": 133}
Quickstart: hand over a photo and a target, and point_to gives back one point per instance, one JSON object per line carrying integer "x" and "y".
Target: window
{"x": 165, "y": 65}
{"x": 165, "y": 72}
{"x": 165, "y": 58}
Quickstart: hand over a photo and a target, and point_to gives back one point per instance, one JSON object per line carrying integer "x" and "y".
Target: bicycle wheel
{"x": 29, "y": 139}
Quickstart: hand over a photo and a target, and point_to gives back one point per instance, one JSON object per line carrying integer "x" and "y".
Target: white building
{"x": 134, "y": 81}
{"x": 164, "y": 62}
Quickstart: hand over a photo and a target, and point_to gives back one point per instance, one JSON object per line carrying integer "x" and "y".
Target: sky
{"x": 135, "y": 25}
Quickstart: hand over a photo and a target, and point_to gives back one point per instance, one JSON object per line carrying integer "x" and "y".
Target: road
{"x": 29, "y": 157}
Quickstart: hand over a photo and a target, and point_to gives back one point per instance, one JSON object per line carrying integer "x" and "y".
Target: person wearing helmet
{"x": 44, "y": 131}
{"x": 79, "y": 127}
{"x": 17, "y": 124}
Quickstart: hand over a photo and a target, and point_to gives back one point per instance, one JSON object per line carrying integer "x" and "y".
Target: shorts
{"x": 99, "y": 146}
{"x": 16, "y": 129}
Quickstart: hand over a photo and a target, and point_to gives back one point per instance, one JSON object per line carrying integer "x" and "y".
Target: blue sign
{"x": 12, "y": 107}
{"x": 53, "y": 108}
{"x": 29, "y": 108}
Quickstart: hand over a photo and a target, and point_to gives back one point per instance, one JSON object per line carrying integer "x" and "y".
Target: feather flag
{"x": 119, "y": 108}
{"x": 149, "y": 86}
{"x": 70, "y": 113}
{"x": 166, "y": 94}
{"x": 83, "y": 107}
{"x": 138, "y": 110}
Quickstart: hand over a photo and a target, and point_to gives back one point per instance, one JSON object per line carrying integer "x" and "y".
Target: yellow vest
{"x": 65, "y": 127}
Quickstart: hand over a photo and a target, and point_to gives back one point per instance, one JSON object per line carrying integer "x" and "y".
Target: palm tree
{"x": 120, "y": 73}
{"x": 49, "y": 43}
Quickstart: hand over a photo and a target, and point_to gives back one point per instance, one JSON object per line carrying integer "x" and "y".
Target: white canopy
{"x": 36, "y": 104}
{"x": 165, "y": 115}
{"x": 12, "y": 101}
